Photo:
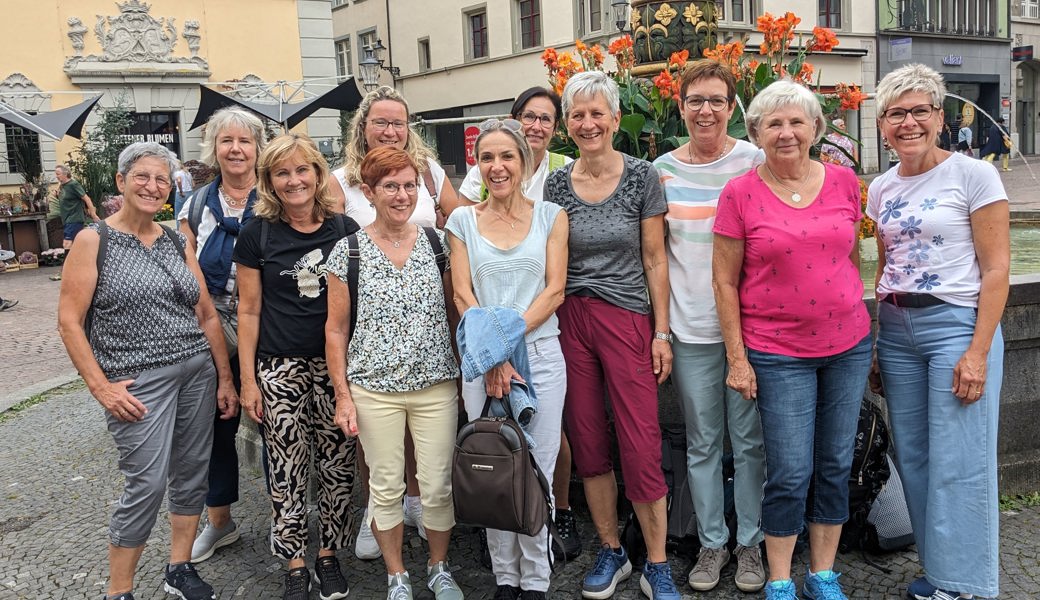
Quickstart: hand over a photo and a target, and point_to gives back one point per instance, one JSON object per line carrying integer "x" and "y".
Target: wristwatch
{"x": 667, "y": 337}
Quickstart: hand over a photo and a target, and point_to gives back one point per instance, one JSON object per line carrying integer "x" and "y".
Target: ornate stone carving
{"x": 191, "y": 35}
{"x": 20, "y": 92}
{"x": 134, "y": 36}
{"x": 661, "y": 28}
{"x": 76, "y": 32}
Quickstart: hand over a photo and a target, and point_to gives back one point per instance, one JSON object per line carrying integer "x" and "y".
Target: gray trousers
{"x": 170, "y": 446}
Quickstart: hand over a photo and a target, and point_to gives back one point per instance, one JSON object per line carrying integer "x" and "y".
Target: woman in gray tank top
{"x": 512, "y": 252}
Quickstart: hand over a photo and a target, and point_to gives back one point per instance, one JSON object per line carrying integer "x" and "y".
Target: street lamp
{"x": 622, "y": 13}
{"x": 372, "y": 63}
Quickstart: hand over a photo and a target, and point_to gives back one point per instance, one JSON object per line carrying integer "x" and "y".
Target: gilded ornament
{"x": 665, "y": 14}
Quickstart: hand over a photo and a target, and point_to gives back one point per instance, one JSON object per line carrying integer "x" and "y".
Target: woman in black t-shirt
{"x": 285, "y": 382}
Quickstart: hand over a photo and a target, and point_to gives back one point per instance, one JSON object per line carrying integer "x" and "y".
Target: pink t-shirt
{"x": 800, "y": 293}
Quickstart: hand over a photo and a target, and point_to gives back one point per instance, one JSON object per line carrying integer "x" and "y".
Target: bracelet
{"x": 665, "y": 337}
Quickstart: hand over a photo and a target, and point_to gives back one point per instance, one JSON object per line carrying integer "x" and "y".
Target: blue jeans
{"x": 946, "y": 452}
{"x": 809, "y": 409}
{"x": 709, "y": 408}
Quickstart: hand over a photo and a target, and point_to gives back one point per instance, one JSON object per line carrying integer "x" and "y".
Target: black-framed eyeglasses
{"x": 392, "y": 187}
{"x": 715, "y": 103}
{"x": 382, "y": 124}
{"x": 493, "y": 123}
{"x": 921, "y": 112}
{"x": 529, "y": 118}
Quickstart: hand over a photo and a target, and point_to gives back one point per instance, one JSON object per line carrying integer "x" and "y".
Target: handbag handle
{"x": 487, "y": 406}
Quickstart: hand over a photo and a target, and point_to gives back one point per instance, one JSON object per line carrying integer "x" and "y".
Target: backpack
{"x": 196, "y": 205}
{"x": 102, "y": 253}
{"x": 870, "y": 472}
{"x": 354, "y": 266}
{"x": 495, "y": 481}
{"x": 888, "y": 523}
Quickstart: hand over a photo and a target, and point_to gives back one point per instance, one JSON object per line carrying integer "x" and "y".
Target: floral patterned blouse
{"x": 401, "y": 342}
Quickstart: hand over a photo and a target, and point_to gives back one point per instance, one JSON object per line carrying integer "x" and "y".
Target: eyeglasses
{"x": 382, "y": 124}
{"x": 392, "y": 187}
{"x": 493, "y": 123}
{"x": 716, "y": 103}
{"x": 921, "y": 112}
{"x": 529, "y": 118}
{"x": 144, "y": 178}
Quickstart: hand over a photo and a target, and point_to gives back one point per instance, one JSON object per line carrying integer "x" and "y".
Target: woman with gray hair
{"x": 942, "y": 283}
{"x": 790, "y": 301}
{"x": 511, "y": 252}
{"x": 138, "y": 323}
{"x": 613, "y": 339}
{"x": 211, "y": 220}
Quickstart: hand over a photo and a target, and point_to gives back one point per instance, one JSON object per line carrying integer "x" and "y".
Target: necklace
{"x": 503, "y": 219}
{"x": 795, "y": 196}
{"x": 395, "y": 243}
{"x": 231, "y": 201}
{"x": 725, "y": 145}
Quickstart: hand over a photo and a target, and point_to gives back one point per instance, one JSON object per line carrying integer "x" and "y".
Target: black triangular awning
{"x": 344, "y": 96}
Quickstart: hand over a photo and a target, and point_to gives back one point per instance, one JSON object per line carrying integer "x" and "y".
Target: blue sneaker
{"x": 920, "y": 589}
{"x": 781, "y": 590}
{"x": 823, "y": 586}
{"x": 610, "y": 569}
{"x": 657, "y": 583}
{"x": 944, "y": 595}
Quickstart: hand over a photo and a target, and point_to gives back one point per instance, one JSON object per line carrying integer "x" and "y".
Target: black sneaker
{"x": 123, "y": 596}
{"x": 182, "y": 580}
{"x": 507, "y": 592}
{"x": 297, "y": 584}
{"x": 567, "y": 527}
{"x": 332, "y": 584}
{"x": 532, "y": 595}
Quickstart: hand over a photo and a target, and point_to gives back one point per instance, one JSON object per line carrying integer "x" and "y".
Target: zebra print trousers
{"x": 299, "y": 408}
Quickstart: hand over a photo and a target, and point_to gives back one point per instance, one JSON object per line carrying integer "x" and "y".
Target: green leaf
{"x": 762, "y": 74}
{"x": 632, "y": 125}
{"x": 737, "y": 129}
{"x": 641, "y": 103}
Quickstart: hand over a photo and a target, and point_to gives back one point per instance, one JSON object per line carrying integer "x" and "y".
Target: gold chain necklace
{"x": 795, "y": 196}
{"x": 689, "y": 149}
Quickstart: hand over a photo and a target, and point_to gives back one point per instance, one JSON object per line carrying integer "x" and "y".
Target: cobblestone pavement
{"x": 59, "y": 481}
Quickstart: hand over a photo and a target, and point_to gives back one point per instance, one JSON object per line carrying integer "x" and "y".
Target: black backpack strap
{"x": 196, "y": 205}
{"x": 353, "y": 271}
{"x": 438, "y": 249}
{"x": 170, "y": 233}
{"x": 265, "y": 235}
{"x": 340, "y": 223}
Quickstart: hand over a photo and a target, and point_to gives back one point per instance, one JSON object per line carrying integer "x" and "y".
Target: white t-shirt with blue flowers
{"x": 925, "y": 224}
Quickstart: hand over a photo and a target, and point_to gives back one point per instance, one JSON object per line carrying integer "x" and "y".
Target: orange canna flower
{"x": 678, "y": 59}
{"x": 621, "y": 44}
{"x": 621, "y": 50}
{"x": 824, "y": 40}
{"x": 549, "y": 58}
{"x": 805, "y": 74}
{"x": 580, "y": 46}
{"x": 664, "y": 82}
{"x": 851, "y": 96}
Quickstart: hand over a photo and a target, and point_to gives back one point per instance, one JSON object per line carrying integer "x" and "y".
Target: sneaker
{"x": 567, "y": 527}
{"x": 123, "y": 596}
{"x": 297, "y": 584}
{"x": 751, "y": 576}
{"x": 657, "y": 583}
{"x": 56, "y": 277}
{"x": 212, "y": 538}
{"x": 781, "y": 590}
{"x": 920, "y": 589}
{"x": 413, "y": 514}
{"x": 823, "y": 586}
{"x": 532, "y": 595}
{"x": 399, "y": 587}
{"x": 704, "y": 575}
{"x": 944, "y": 595}
{"x": 332, "y": 585}
{"x": 441, "y": 583}
{"x": 6, "y": 304}
{"x": 1006, "y": 170}
{"x": 611, "y": 568}
{"x": 182, "y": 580}
{"x": 366, "y": 547}
{"x": 507, "y": 592}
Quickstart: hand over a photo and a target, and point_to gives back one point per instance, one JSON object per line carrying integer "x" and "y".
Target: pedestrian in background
{"x": 964, "y": 137}
{"x": 184, "y": 184}
{"x": 74, "y": 207}
{"x": 997, "y": 143}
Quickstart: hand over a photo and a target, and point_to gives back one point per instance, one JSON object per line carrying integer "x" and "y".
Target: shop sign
{"x": 1021, "y": 53}
{"x": 900, "y": 49}
{"x": 955, "y": 60}
{"x": 470, "y": 133}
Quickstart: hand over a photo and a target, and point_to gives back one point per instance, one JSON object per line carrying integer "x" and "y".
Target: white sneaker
{"x": 413, "y": 514}
{"x": 366, "y": 547}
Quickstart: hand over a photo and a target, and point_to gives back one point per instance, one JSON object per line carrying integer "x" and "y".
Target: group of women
{"x": 730, "y": 266}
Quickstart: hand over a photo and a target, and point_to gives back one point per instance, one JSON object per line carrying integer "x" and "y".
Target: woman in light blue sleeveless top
{"x": 512, "y": 252}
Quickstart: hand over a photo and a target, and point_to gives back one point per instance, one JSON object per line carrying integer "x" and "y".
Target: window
{"x": 830, "y": 14}
{"x": 336, "y": 3}
{"x": 735, "y": 11}
{"x": 478, "y": 34}
{"x": 424, "y": 55}
{"x": 590, "y": 17}
{"x": 959, "y": 17}
{"x": 22, "y": 144}
{"x": 365, "y": 40}
{"x": 530, "y": 24}
{"x": 343, "y": 58}
{"x": 1031, "y": 9}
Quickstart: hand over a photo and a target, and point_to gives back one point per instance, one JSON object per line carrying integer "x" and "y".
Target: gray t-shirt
{"x": 605, "y": 242}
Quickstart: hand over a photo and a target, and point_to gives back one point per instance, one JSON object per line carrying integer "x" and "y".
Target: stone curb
{"x": 7, "y": 401}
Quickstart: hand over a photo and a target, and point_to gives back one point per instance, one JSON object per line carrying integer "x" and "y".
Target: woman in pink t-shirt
{"x": 797, "y": 334}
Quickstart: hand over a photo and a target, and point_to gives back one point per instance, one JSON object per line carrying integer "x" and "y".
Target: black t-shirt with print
{"x": 293, "y": 281}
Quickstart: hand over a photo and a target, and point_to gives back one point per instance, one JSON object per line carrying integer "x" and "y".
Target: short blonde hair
{"x": 914, "y": 77}
{"x": 268, "y": 204}
{"x": 231, "y": 116}
{"x": 778, "y": 95}
{"x": 356, "y": 147}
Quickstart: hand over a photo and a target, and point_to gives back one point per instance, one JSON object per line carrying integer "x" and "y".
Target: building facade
{"x": 466, "y": 59}
{"x": 1025, "y": 74}
{"x": 151, "y": 57}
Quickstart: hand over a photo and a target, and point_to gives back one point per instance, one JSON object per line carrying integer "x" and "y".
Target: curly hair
{"x": 356, "y": 147}
{"x": 268, "y": 204}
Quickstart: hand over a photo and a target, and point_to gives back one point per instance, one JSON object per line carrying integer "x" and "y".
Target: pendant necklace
{"x": 395, "y": 243}
{"x": 503, "y": 219}
{"x": 725, "y": 145}
{"x": 795, "y": 196}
